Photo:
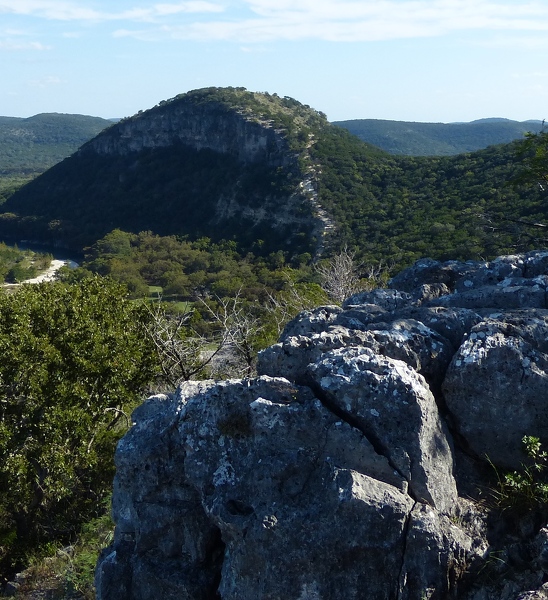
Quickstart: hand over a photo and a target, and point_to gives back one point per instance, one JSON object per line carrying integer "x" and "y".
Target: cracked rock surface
{"x": 350, "y": 467}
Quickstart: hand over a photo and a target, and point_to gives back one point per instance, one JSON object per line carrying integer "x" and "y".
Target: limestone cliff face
{"x": 357, "y": 465}
{"x": 209, "y": 125}
{"x": 223, "y": 163}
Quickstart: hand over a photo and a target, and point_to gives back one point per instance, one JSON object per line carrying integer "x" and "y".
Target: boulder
{"x": 496, "y": 387}
{"x": 336, "y": 472}
{"x": 392, "y": 405}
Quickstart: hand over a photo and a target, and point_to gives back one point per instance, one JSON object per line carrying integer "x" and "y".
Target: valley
{"x": 210, "y": 221}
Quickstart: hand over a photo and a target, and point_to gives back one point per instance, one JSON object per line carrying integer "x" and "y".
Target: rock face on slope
{"x": 223, "y": 163}
{"x": 356, "y": 465}
{"x": 201, "y": 125}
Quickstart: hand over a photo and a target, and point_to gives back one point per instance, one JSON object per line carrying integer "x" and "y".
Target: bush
{"x": 74, "y": 360}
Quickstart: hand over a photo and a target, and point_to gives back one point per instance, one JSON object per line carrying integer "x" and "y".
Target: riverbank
{"x": 51, "y": 272}
{"x": 48, "y": 275}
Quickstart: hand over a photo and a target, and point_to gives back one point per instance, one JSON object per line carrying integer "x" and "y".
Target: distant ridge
{"x": 274, "y": 177}
{"x": 438, "y": 139}
{"x": 30, "y": 146}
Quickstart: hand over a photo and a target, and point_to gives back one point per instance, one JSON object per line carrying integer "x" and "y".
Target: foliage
{"x": 73, "y": 359}
{"x": 17, "y": 265}
{"x": 30, "y": 146}
{"x": 176, "y": 190}
{"x": 528, "y": 488}
{"x": 437, "y": 139}
{"x": 10, "y": 184}
{"x": 402, "y": 209}
{"x": 187, "y": 270}
{"x": 383, "y": 208}
{"x": 534, "y": 156}
{"x": 68, "y": 571}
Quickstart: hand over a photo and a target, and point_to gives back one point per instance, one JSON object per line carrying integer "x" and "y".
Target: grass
{"x": 67, "y": 573}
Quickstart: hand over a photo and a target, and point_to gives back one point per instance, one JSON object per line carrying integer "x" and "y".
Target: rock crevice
{"x": 354, "y": 465}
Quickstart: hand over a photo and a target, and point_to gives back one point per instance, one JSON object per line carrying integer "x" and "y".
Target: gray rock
{"x": 395, "y": 409}
{"x": 333, "y": 474}
{"x": 404, "y": 339}
{"x": 311, "y": 321}
{"x": 507, "y": 295}
{"x": 450, "y": 323}
{"x": 496, "y": 387}
{"x": 438, "y": 553}
{"x": 389, "y": 300}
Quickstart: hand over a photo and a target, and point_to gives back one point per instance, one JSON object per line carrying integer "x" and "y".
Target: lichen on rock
{"x": 355, "y": 465}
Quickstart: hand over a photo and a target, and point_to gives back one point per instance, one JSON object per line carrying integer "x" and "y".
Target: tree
{"x": 534, "y": 154}
{"x": 339, "y": 276}
{"x": 74, "y": 359}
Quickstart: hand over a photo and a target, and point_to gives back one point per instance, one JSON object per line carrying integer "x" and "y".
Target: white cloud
{"x": 10, "y": 45}
{"x": 61, "y": 10}
{"x": 366, "y": 20}
{"x": 530, "y": 43}
{"x": 252, "y": 21}
{"x": 45, "y": 82}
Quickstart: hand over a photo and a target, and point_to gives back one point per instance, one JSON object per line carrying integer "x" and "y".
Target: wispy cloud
{"x": 367, "y": 20}
{"x": 252, "y": 21}
{"x": 45, "y": 82}
{"x": 11, "y": 45}
{"x": 61, "y": 10}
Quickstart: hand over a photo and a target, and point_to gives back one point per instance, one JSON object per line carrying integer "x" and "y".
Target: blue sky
{"x": 407, "y": 60}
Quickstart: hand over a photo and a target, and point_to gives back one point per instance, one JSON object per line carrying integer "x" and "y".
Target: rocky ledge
{"x": 359, "y": 464}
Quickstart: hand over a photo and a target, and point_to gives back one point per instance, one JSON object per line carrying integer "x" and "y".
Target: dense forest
{"x": 438, "y": 139}
{"x": 30, "y": 146}
{"x": 382, "y": 207}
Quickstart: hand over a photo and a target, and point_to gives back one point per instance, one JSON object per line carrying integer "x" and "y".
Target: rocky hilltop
{"x": 201, "y": 123}
{"x": 359, "y": 463}
{"x": 219, "y": 162}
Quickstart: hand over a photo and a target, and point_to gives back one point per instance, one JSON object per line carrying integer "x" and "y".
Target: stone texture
{"x": 496, "y": 387}
{"x": 394, "y": 408}
{"x": 335, "y": 473}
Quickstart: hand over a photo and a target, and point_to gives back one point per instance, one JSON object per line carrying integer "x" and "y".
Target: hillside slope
{"x": 30, "y": 146}
{"x": 437, "y": 139}
{"x": 221, "y": 163}
{"x": 273, "y": 175}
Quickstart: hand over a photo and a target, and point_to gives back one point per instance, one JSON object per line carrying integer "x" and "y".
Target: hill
{"x": 438, "y": 139}
{"x": 221, "y": 163}
{"x": 30, "y": 146}
{"x": 273, "y": 175}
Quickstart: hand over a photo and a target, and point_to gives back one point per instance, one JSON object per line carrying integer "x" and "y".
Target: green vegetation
{"x": 179, "y": 269}
{"x": 437, "y": 139}
{"x": 527, "y": 489}
{"x": 17, "y": 265}
{"x": 402, "y": 209}
{"x": 30, "y": 146}
{"x": 77, "y": 354}
{"x": 390, "y": 208}
{"x": 170, "y": 191}
{"x": 74, "y": 361}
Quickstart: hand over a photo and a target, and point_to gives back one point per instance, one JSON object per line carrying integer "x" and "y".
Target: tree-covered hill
{"x": 437, "y": 139}
{"x": 30, "y": 146}
{"x": 273, "y": 175}
{"x": 224, "y": 163}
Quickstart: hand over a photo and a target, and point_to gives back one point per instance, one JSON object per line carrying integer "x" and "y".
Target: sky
{"x": 402, "y": 60}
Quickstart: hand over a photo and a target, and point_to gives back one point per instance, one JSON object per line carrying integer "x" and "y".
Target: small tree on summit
{"x": 339, "y": 276}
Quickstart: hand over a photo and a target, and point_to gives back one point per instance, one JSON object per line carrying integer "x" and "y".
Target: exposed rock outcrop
{"x": 205, "y": 125}
{"x": 355, "y": 466}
